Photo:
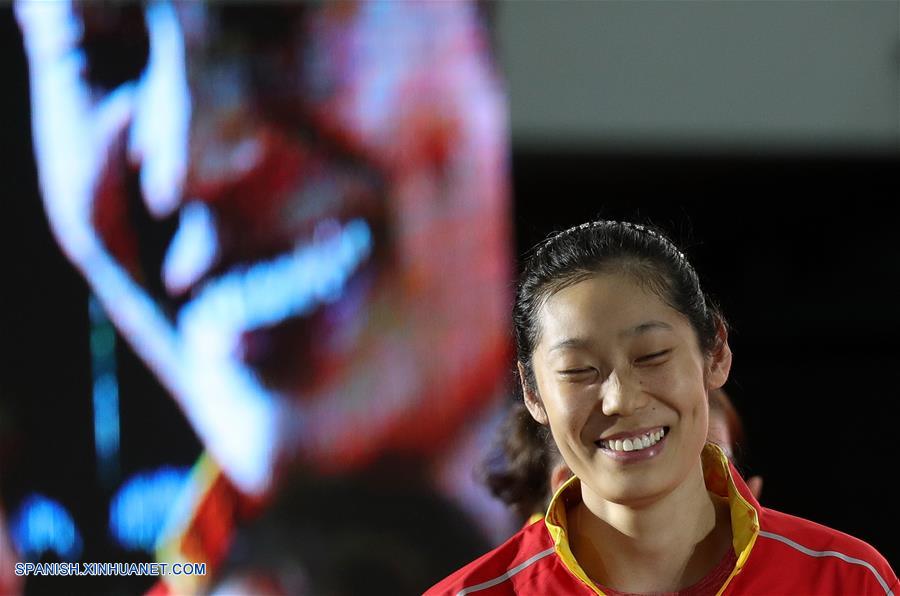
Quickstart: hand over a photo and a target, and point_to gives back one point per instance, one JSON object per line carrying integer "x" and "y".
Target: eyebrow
{"x": 580, "y": 343}
{"x": 644, "y": 328}
{"x": 569, "y": 342}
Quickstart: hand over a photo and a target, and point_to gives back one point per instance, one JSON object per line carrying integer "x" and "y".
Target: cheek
{"x": 691, "y": 400}
{"x": 680, "y": 388}
{"x": 682, "y": 381}
{"x": 568, "y": 415}
{"x": 697, "y": 409}
{"x": 666, "y": 382}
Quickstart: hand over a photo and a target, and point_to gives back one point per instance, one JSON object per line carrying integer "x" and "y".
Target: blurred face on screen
{"x": 296, "y": 214}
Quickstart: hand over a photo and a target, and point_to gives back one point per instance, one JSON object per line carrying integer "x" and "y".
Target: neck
{"x": 661, "y": 545}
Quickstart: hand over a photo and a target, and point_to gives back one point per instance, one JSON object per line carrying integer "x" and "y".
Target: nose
{"x": 621, "y": 396}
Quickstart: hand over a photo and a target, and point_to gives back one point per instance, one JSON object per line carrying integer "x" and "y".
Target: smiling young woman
{"x": 618, "y": 350}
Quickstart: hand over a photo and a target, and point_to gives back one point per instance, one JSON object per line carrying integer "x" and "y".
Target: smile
{"x": 634, "y": 443}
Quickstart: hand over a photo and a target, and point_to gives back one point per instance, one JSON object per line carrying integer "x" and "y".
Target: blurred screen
{"x": 291, "y": 223}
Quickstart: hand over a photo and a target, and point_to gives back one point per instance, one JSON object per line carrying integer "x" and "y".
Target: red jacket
{"x": 776, "y": 553}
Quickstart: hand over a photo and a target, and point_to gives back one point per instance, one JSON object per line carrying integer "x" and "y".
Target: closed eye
{"x": 578, "y": 374}
{"x": 654, "y": 358}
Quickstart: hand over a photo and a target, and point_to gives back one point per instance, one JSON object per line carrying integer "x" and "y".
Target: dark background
{"x": 801, "y": 250}
{"x": 802, "y": 253}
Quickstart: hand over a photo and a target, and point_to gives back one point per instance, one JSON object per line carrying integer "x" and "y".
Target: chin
{"x": 634, "y": 492}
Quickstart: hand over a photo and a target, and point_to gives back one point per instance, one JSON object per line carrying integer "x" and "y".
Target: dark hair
{"x": 517, "y": 468}
{"x": 643, "y": 252}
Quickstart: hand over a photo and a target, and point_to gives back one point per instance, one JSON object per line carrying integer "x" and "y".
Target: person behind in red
{"x": 727, "y": 431}
{"x": 618, "y": 349}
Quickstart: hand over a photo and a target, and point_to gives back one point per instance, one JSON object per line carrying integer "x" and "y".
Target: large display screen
{"x": 291, "y": 222}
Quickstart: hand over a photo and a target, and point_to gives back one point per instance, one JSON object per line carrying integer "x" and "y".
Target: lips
{"x": 633, "y": 441}
{"x": 630, "y": 441}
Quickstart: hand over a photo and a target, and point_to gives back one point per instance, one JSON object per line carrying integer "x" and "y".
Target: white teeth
{"x": 636, "y": 443}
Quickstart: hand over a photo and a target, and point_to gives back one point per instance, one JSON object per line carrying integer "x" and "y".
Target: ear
{"x": 720, "y": 360}
{"x": 532, "y": 401}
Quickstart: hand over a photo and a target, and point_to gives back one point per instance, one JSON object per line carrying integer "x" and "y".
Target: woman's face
{"x": 623, "y": 385}
{"x": 278, "y": 207}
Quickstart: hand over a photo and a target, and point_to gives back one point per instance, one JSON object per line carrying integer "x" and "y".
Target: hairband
{"x": 605, "y": 222}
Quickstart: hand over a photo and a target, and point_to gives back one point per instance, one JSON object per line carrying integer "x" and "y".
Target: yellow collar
{"x": 719, "y": 481}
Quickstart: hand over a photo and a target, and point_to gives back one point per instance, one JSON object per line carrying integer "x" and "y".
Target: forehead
{"x": 606, "y": 306}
